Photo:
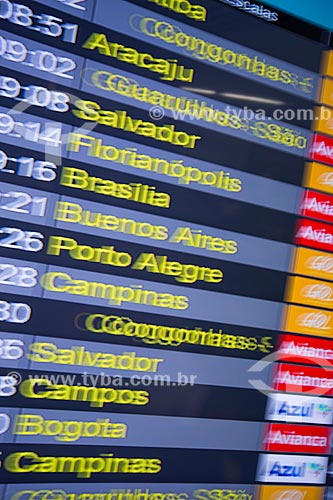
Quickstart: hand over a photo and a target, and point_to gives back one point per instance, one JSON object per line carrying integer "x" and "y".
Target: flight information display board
{"x": 166, "y": 240}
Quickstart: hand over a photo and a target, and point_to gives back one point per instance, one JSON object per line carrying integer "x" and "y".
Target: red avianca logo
{"x": 314, "y": 234}
{"x": 322, "y": 149}
{"x": 305, "y": 350}
{"x": 305, "y": 379}
{"x": 297, "y": 438}
{"x": 317, "y": 206}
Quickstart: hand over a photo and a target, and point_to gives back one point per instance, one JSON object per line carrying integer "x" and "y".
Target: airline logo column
{"x": 298, "y": 439}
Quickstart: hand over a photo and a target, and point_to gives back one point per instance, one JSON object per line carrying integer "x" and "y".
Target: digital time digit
{"x": 22, "y": 15}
